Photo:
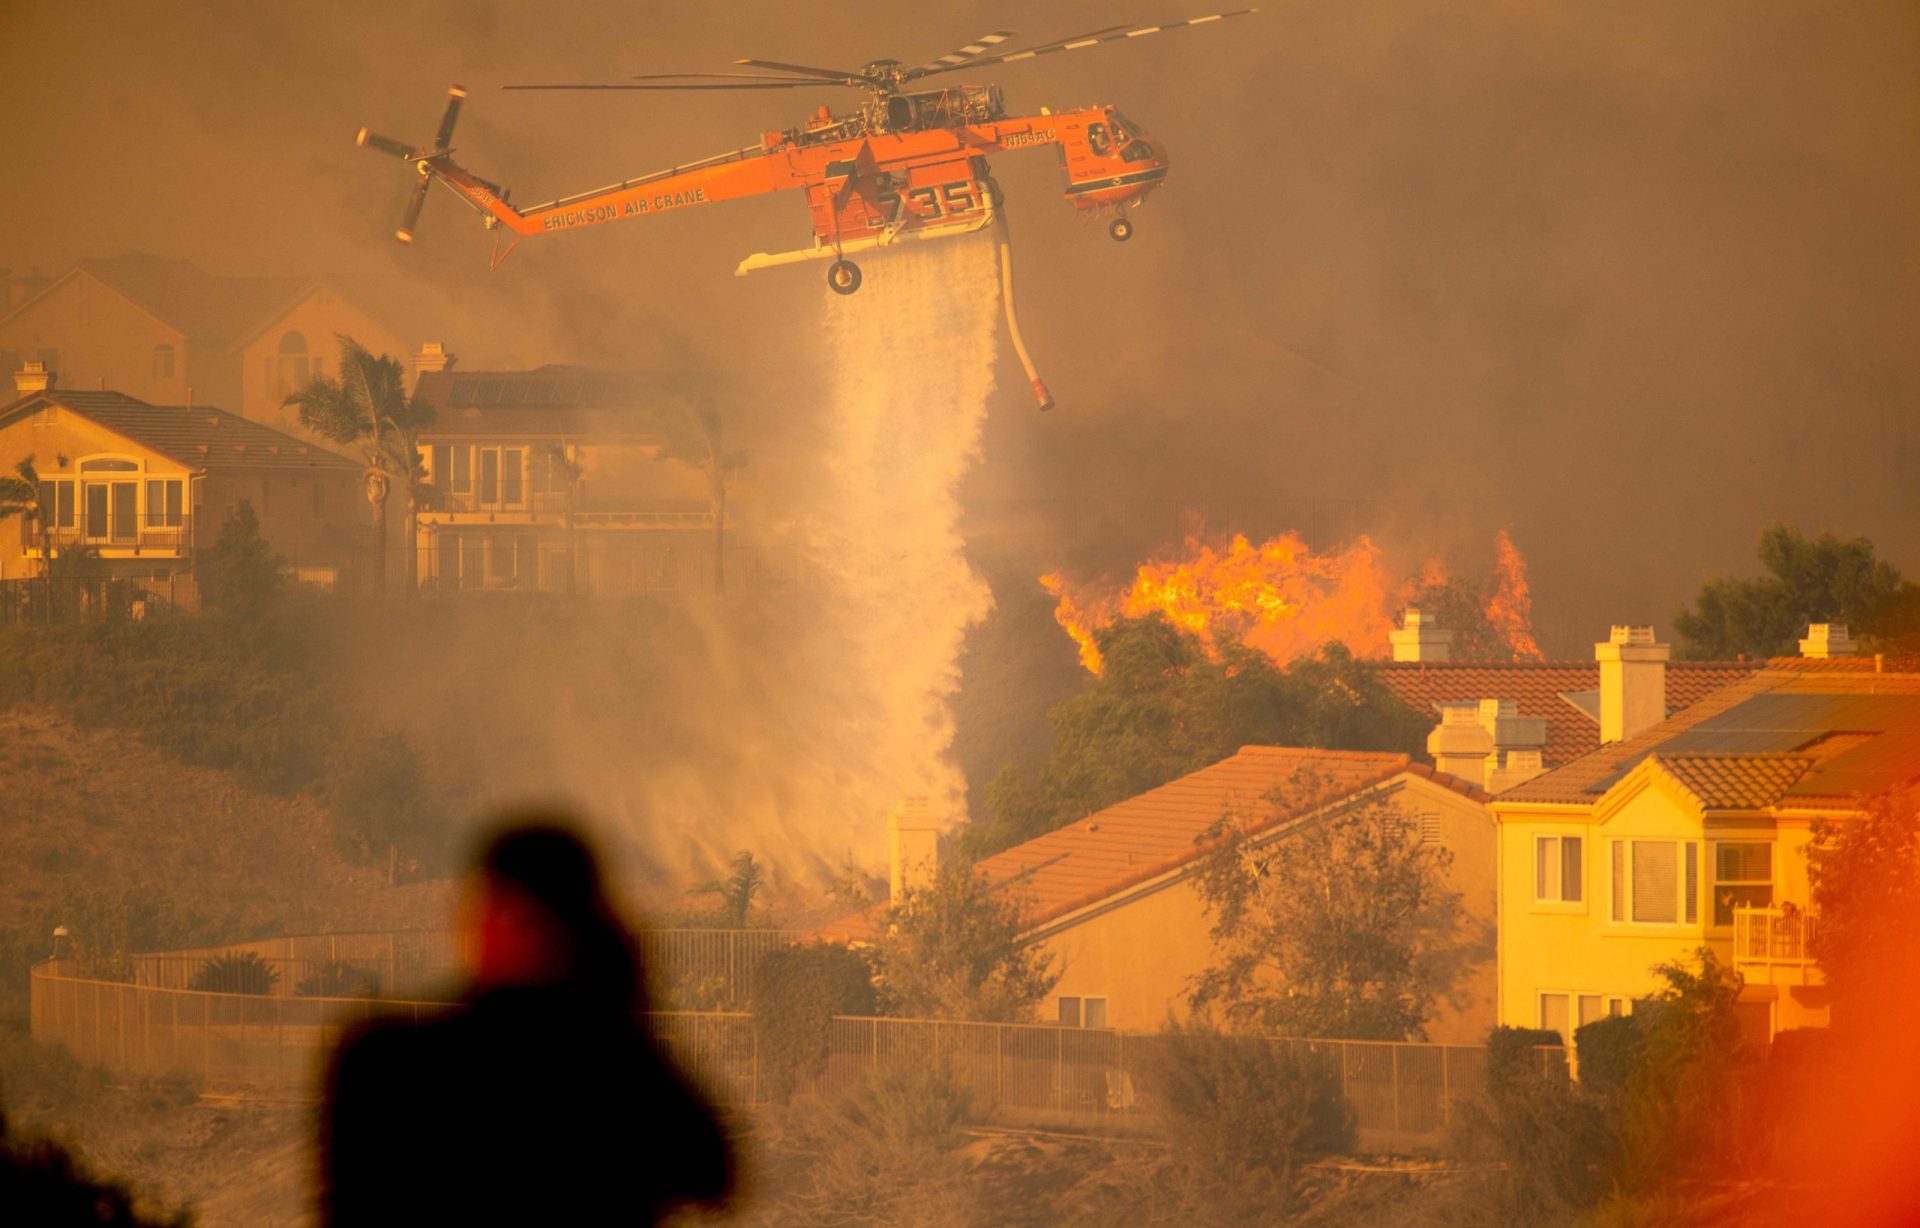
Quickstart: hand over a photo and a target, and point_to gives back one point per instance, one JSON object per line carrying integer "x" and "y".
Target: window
{"x": 1554, "y": 1015}
{"x": 541, "y": 466}
{"x": 510, "y": 477}
{"x": 56, "y": 503}
{"x": 1742, "y": 878}
{"x": 1138, "y": 151}
{"x": 1557, "y": 868}
{"x": 163, "y": 360}
{"x": 1656, "y": 882}
{"x": 289, "y": 369}
{"x": 109, "y": 464}
{"x": 1594, "y": 1007}
{"x": 473, "y": 561}
{"x": 165, "y": 503}
{"x": 1083, "y": 1012}
{"x": 462, "y": 470}
{"x": 1098, "y": 140}
{"x": 440, "y": 462}
{"x": 489, "y": 475}
{"x": 503, "y": 559}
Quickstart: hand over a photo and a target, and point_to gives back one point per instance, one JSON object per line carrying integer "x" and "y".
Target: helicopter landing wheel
{"x": 1121, "y": 229}
{"x": 843, "y": 277}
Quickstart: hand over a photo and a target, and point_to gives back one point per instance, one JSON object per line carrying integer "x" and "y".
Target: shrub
{"x": 887, "y": 1156}
{"x": 797, "y": 992}
{"x": 243, "y": 972}
{"x": 339, "y": 979}
{"x": 1514, "y": 1058}
{"x": 240, "y": 574}
{"x": 1238, "y": 1111}
{"x": 1610, "y": 1051}
{"x": 379, "y": 806}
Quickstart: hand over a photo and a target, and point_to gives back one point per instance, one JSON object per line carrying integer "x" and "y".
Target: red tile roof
{"x": 198, "y": 436}
{"x": 1538, "y": 687}
{"x": 1735, "y": 782}
{"x": 1158, "y": 831}
{"x": 1884, "y": 761}
{"x": 202, "y": 306}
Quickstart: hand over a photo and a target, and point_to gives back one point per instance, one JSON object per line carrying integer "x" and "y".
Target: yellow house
{"x": 143, "y": 487}
{"x": 560, "y": 479}
{"x": 1113, "y": 898}
{"x": 168, "y": 332}
{"x": 1693, "y": 833}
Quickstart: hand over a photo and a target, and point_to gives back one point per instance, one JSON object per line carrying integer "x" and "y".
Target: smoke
{"x": 791, "y": 717}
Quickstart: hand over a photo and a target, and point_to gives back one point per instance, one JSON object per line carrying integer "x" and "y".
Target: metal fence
{"x": 687, "y": 969}
{"x": 1402, "y": 1096}
{"x": 31, "y": 600}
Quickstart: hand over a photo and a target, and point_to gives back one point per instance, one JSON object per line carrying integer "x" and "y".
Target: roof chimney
{"x": 34, "y": 377}
{"x": 1419, "y": 638}
{"x": 1633, "y": 682}
{"x": 913, "y": 848}
{"x": 433, "y": 356}
{"x": 1827, "y": 640}
{"x": 1488, "y": 742}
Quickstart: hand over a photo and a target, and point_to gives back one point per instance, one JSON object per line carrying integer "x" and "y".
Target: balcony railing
{"x": 1775, "y": 945}
{"x": 170, "y": 539}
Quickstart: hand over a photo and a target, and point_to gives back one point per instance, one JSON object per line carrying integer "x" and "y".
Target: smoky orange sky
{"x": 1632, "y": 278}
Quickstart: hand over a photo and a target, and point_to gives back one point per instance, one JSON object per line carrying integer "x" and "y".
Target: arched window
{"x": 163, "y": 360}
{"x": 292, "y": 367}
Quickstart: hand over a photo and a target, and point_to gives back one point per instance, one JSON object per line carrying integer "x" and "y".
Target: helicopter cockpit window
{"x": 1137, "y": 152}
{"x": 1098, "y": 140}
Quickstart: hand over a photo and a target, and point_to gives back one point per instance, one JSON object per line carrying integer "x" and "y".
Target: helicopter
{"x": 907, "y": 164}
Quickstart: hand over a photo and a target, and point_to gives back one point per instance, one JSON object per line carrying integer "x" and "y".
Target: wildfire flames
{"x": 1285, "y": 600}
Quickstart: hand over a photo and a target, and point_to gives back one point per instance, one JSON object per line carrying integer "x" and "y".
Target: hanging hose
{"x": 1013, "y": 322}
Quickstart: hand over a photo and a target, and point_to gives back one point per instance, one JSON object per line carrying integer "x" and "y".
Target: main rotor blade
{"x": 826, "y": 74}
{"x": 454, "y": 97}
{"x": 419, "y": 197}
{"x": 621, "y": 85}
{"x": 1113, "y": 34}
{"x": 387, "y": 145}
{"x": 960, "y": 55}
{"x": 711, "y": 76}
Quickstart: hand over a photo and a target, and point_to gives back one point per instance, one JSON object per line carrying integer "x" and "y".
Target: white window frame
{"x": 1772, "y": 881}
{"x": 1557, "y": 862}
{"x": 1620, "y": 859}
{"x": 1568, "y": 996}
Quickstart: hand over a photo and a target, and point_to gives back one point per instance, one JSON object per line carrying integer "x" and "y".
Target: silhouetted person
{"x": 538, "y": 1099}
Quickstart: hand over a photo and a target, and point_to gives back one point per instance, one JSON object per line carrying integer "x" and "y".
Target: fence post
{"x": 1059, "y": 1070}
{"x": 1446, "y": 1085}
{"x": 1396, "y": 1089}
{"x": 999, "y": 1063}
{"x": 206, "y": 1036}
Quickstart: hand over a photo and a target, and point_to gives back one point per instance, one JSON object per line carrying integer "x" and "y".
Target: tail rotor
{"x": 423, "y": 159}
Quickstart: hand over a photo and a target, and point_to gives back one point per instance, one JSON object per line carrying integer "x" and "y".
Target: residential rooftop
{"x": 199, "y": 436}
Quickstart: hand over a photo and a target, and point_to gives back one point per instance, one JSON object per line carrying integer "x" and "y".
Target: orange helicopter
{"x": 907, "y": 165}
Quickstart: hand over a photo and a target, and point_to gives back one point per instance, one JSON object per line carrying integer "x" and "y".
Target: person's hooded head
{"x": 540, "y": 915}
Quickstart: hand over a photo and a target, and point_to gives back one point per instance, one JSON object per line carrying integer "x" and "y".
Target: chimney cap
{"x": 1420, "y": 637}
{"x": 34, "y": 376}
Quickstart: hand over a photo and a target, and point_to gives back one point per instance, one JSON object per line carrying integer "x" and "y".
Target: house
{"x": 1693, "y": 832}
{"x": 1564, "y": 697}
{"x": 146, "y": 486}
{"x": 563, "y": 479}
{"x": 1114, "y": 899}
{"x": 170, "y": 333}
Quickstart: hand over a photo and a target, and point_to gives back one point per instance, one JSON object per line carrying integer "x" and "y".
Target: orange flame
{"x": 1279, "y": 597}
{"x": 1510, "y": 609}
{"x": 1283, "y": 599}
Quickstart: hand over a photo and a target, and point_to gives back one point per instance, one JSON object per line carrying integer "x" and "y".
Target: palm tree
{"x": 697, "y": 436}
{"x": 20, "y": 496}
{"x": 568, "y": 471}
{"x": 368, "y": 408}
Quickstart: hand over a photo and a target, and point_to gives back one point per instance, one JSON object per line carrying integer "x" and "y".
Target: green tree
{"x": 1164, "y": 707}
{"x": 240, "y": 574}
{"x": 380, "y": 806}
{"x": 1343, "y": 927}
{"x": 797, "y": 992}
{"x": 1808, "y": 580}
{"x": 1677, "y": 1115}
{"x": 20, "y": 490}
{"x": 954, "y": 949}
{"x": 367, "y": 407}
{"x": 696, "y": 435}
{"x": 738, "y": 889}
{"x": 1865, "y": 874}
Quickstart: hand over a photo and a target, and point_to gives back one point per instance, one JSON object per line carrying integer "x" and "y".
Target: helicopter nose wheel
{"x": 1121, "y": 229}
{"x": 843, "y": 277}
